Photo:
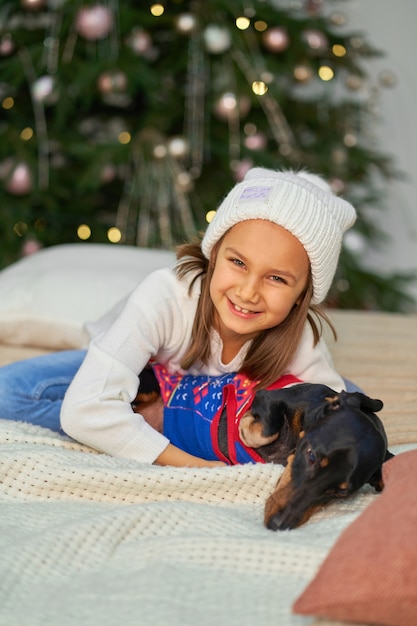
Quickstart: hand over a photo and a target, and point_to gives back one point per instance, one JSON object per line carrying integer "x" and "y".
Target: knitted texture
{"x": 303, "y": 204}
{"x": 90, "y": 539}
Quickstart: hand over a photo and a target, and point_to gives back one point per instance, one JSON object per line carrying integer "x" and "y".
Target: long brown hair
{"x": 271, "y": 353}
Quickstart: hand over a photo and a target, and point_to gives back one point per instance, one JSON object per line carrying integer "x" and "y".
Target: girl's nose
{"x": 248, "y": 290}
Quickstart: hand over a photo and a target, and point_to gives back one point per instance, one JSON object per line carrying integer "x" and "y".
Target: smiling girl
{"x": 241, "y": 300}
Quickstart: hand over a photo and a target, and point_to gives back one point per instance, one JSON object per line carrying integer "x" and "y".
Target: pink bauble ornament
{"x": 33, "y": 4}
{"x": 19, "y": 182}
{"x": 339, "y": 155}
{"x": 313, "y": 7}
{"x": 108, "y": 173}
{"x": 257, "y": 141}
{"x": 94, "y": 22}
{"x": 217, "y": 39}
{"x": 315, "y": 39}
{"x": 186, "y": 23}
{"x": 337, "y": 19}
{"x": 140, "y": 41}
{"x": 6, "y": 45}
{"x": 241, "y": 168}
{"x": 354, "y": 82}
{"x": 303, "y": 73}
{"x": 30, "y": 246}
{"x": 185, "y": 182}
{"x": 226, "y": 106}
{"x": 387, "y": 78}
{"x": 337, "y": 185}
{"x": 178, "y": 147}
{"x": 229, "y": 106}
{"x": 276, "y": 39}
{"x": 44, "y": 90}
{"x": 354, "y": 241}
{"x": 114, "y": 81}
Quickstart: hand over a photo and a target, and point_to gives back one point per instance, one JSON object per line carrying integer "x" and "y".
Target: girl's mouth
{"x": 242, "y": 310}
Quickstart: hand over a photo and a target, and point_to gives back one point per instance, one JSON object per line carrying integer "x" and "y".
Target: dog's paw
{"x": 251, "y": 432}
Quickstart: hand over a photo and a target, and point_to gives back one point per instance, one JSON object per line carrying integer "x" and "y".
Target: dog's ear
{"x": 388, "y": 455}
{"x": 365, "y": 402}
{"x": 369, "y": 404}
{"x": 376, "y": 481}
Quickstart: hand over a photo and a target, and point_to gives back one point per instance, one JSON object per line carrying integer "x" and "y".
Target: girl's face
{"x": 260, "y": 273}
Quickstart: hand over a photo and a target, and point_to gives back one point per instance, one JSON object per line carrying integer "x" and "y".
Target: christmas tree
{"x": 128, "y": 122}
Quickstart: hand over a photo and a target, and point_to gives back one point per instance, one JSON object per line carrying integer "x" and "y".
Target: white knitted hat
{"x": 300, "y": 202}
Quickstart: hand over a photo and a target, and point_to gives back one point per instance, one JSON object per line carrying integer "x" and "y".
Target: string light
{"x": 114, "y": 234}
{"x": 242, "y": 23}
{"x": 157, "y": 10}
{"x": 259, "y": 87}
{"x": 325, "y": 72}
{"x": 20, "y": 229}
{"x": 260, "y": 26}
{"x": 339, "y": 50}
{"x": 124, "y": 137}
{"x": 26, "y": 134}
{"x": 8, "y": 103}
{"x": 84, "y": 232}
{"x": 210, "y": 216}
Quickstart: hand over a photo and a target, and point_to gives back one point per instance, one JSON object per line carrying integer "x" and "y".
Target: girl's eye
{"x": 278, "y": 279}
{"x": 238, "y": 262}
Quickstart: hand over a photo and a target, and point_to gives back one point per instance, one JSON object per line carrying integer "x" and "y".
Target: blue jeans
{"x": 32, "y": 390}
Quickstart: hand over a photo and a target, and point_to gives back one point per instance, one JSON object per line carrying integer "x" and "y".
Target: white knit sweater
{"x": 156, "y": 321}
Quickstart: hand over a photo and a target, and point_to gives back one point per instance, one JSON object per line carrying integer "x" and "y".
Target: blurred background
{"x": 126, "y": 122}
{"x": 393, "y": 28}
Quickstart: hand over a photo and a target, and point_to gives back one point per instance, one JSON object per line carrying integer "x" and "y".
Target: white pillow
{"x": 47, "y": 298}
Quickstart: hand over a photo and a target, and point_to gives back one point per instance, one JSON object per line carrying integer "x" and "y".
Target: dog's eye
{"x": 311, "y": 457}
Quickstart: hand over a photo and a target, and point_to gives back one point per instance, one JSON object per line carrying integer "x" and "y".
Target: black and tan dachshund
{"x": 331, "y": 443}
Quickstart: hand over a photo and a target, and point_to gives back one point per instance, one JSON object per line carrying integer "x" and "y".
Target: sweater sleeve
{"x": 314, "y": 364}
{"x": 155, "y": 322}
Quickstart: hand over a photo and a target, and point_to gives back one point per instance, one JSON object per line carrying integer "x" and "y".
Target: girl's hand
{"x": 153, "y": 413}
{"x": 178, "y": 458}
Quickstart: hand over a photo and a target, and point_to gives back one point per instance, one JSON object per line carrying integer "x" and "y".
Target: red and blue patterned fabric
{"x": 193, "y": 406}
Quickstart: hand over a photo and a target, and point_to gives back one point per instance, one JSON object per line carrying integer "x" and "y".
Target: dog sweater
{"x": 193, "y": 406}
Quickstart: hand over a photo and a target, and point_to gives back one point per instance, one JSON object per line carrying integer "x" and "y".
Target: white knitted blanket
{"x": 87, "y": 539}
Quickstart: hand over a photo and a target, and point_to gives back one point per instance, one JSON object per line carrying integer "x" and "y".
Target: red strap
{"x": 231, "y": 410}
{"x": 284, "y": 381}
{"x": 233, "y": 419}
{"x": 228, "y": 398}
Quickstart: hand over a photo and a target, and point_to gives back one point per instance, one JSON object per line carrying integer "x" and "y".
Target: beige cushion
{"x": 46, "y": 298}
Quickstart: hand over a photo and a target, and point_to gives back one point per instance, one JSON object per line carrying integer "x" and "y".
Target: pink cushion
{"x": 370, "y": 575}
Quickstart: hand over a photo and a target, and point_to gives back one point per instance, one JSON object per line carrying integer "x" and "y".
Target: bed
{"x": 94, "y": 540}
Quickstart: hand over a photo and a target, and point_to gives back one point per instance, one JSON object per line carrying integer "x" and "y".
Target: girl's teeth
{"x": 239, "y": 308}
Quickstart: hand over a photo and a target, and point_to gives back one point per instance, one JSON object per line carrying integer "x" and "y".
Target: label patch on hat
{"x": 255, "y": 193}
